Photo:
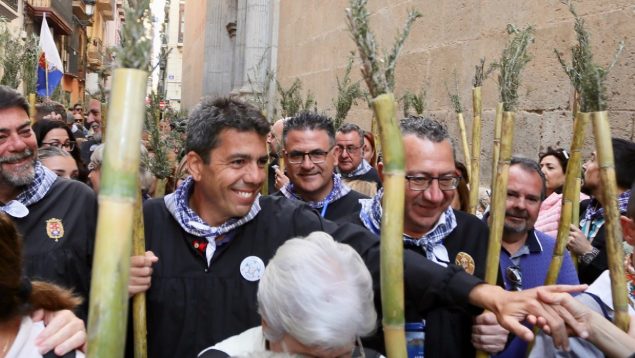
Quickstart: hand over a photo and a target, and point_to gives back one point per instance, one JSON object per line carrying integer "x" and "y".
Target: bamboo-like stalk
{"x": 32, "y": 110}
{"x": 475, "y": 165}
{"x": 392, "y": 287}
{"x": 614, "y": 246}
{"x": 159, "y": 188}
{"x": 140, "y": 329}
{"x": 497, "y": 212}
{"x": 568, "y": 196}
{"x": 466, "y": 146}
{"x": 120, "y": 171}
{"x": 498, "y": 125}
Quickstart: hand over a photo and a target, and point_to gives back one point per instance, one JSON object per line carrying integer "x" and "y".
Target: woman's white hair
{"x": 318, "y": 291}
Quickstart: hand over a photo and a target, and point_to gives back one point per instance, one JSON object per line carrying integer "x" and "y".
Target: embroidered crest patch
{"x": 54, "y": 229}
{"x": 466, "y": 261}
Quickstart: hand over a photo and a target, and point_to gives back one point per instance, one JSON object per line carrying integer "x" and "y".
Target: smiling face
{"x": 554, "y": 173}
{"x": 523, "y": 201}
{"x": 227, "y": 186}
{"x": 18, "y": 149}
{"x": 426, "y": 158}
{"x": 313, "y": 182}
{"x": 592, "y": 175}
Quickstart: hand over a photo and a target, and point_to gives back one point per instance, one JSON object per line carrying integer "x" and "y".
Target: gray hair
{"x": 352, "y": 127}
{"x": 51, "y": 151}
{"x": 145, "y": 175}
{"x": 210, "y": 117}
{"x": 427, "y": 129}
{"x": 318, "y": 291}
{"x": 531, "y": 165}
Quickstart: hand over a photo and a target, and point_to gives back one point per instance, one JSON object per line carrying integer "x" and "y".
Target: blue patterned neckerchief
{"x": 177, "y": 205}
{"x": 338, "y": 191}
{"x": 363, "y": 168}
{"x": 34, "y": 192}
{"x": 431, "y": 242}
{"x": 594, "y": 215}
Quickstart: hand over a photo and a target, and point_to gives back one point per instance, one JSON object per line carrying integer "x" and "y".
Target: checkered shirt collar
{"x": 33, "y": 192}
{"x": 371, "y": 218}
{"x": 363, "y": 168}
{"x": 177, "y": 205}
{"x": 339, "y": 190}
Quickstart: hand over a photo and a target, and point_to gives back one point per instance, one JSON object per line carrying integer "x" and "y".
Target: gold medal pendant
{"x": 466, "y": 261}
{"x": 54, "y": 229}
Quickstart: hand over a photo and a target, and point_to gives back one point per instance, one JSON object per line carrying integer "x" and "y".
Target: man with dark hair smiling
{"x": 311, "y": 156}
{"x": 215, "y": 234}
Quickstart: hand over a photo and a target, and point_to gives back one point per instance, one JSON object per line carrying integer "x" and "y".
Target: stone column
{"x": 256, "y": 37}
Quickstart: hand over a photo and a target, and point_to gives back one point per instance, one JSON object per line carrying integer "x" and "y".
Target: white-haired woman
{"x": 315, "y": 299}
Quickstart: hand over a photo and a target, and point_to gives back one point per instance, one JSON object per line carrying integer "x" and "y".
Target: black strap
{"x": 601, "y": 304}
{"x": 213, "y": 353}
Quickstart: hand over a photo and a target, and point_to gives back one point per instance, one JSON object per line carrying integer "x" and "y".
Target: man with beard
{"x": 214, "y": 235}
{"x": 525, "y": 254}
{"x": 311, "y": 156}
{"x": 56, "y": 217}
{"x": 588, "y": 242}
{"x": 350, "y": 161}
{"x": 93, "y": 124}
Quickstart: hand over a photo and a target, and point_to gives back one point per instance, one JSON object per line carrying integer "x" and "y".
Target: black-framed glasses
{"x": 423, "y": 182}
{"x": 515, "y": 278}
{"x": 350, "y": 149}
{"x": 316, "y": 156}
{"x": 69, "y": 145}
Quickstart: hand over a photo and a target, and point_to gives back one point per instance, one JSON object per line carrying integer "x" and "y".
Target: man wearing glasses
{"x": 350, "y": 161}
{"x": 525, "y": 254}
{"x": 433, "y": 229}
{"x": 311, "y": 156}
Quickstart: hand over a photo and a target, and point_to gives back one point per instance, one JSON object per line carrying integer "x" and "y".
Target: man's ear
{"x": 380, "y": 170}
{"x": 336, "y": 154}
{"x": 195, "y": 164}
{"x": 628, "y": 229}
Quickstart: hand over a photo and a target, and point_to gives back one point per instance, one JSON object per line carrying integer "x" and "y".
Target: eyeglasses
{"x": 78, "y": 109}
{"x": 70, "y": 145}
{"x": 514, "y": 277}
{"x": 421, "y": 183}
{"x": 316, "y": 156}
{"x": 351, "y": 149}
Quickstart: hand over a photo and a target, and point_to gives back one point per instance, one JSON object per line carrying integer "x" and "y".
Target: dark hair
{"x": 10, "y": 98}
{"x": 210, "y": 117}
{"x": 309, "y": 121}
{"x": 42, "y": 127}
{"x": 352, "y": 127}
{"x": 560, "y": 154}
{"x": 463, "y": 190}
{"x": 19, "y": 296}
{"x": 45, "y": 108}
{"x": 531, "y": 165}
{"x": 624, "y": 154}
{"x": 371, "y": 139}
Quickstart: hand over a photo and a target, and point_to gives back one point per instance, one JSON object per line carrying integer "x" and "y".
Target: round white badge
{"x": 252, "y": 268}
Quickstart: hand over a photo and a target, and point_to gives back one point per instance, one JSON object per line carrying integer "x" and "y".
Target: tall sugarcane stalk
{"x": 513, "y": 60}
{"x": 458, "y": 109}
{"x": 32, "y": 110}
{"x": 496, "y": 149}
{"x": 139, "y": 324}
{"x": 119, "y": 189}
{"x": 379, "y": 75}
{"x": 569, "y": 194}
{"x": 477, "y": 111}
{"x": 589, "y": 79}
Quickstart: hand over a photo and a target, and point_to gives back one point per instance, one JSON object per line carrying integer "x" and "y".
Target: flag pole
{"x": 46, "y": 65}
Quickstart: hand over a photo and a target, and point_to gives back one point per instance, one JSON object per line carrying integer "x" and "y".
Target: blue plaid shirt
{"x": 177, "y": 205}
{"x": 431, "y": 242}
{"x": 34, "y": 192}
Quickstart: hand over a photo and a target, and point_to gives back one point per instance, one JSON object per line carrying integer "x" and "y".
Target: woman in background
{"x": 59, "y": 161}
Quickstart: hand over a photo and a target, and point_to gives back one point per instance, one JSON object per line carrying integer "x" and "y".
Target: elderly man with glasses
{"x": 525, "y": 253}
{"x": 350, "y": 160}
{"x": 433, "y": 229}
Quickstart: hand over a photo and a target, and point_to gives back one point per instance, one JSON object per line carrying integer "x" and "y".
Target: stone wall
{"x": 452, "y": 36}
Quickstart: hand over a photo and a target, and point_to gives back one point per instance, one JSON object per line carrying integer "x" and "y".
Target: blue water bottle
{"x": 415, "y": 338}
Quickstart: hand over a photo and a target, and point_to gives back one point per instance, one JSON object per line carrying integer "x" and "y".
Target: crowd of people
{"x": 231, "y": 272}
